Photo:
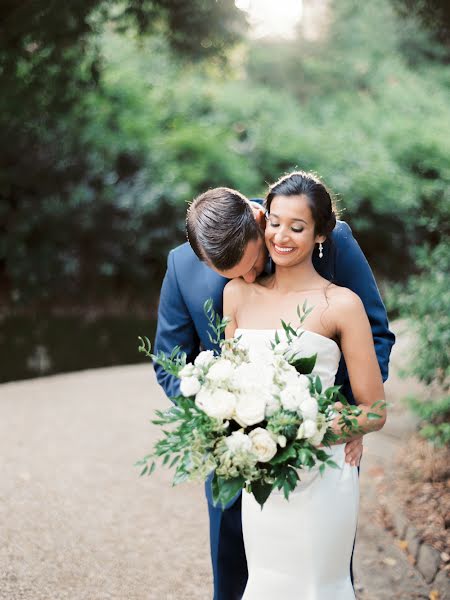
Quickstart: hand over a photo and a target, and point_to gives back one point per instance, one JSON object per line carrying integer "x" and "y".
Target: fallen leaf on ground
{"x": 434, "y": 595}
{"x": 389, "y": 561}
{"x": 403, "y": 544}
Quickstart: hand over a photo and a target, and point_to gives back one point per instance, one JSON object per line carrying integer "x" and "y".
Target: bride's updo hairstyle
{"x": 300, "y": 183}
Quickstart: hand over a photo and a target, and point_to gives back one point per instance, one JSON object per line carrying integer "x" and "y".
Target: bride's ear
{"x": 258, "y": 212}
{"x": 320, "y": 239}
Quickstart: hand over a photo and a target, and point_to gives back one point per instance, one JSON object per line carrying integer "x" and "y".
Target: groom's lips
{"x": 282, "y": 250}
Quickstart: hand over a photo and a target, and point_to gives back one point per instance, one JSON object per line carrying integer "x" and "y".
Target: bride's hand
{"x": 353, "y": 452}
{"x": 353, "y": 448}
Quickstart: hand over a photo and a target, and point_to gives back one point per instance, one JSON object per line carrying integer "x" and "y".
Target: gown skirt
{"x": 300, "y": 549}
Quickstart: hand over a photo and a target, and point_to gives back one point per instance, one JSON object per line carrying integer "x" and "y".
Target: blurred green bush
{"x": 94, "y": 190}
{"x": 425, "y": 302}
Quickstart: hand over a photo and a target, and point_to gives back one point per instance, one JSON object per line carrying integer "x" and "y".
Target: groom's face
{"x": 255, "y": 255}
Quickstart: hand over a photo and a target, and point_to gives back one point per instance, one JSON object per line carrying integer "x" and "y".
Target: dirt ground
{"x": 77, "y": 523}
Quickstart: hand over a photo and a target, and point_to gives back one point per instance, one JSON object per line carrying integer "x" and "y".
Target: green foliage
{"x": 374, "y": 126}
{"x": 435, "y": 419}
{"x": 74, "y": 148}
{"x": 425, "y": 303}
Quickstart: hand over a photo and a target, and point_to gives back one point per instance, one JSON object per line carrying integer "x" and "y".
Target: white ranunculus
{"x": 189, "y": 386}
{"x": 220, "y": 371}
{"x": 272, "y": 405}
{"x": 250, "y": 409}
{"x": 238, "y": 441}
{"x": 187, "y": 371}
{"x": 307, "y": 429}
{"x": 217, "y": 404}
{"x": 309, "y": 407}
{"x": 322, "y": 425}
{"x": 279, "y": 362}
{"x": 264, "y": 446}
{"x": 204, "y": 359}
{"x": 296, "y": 348}
{"x": 282, "y": 441}
{"x": 281, "y": 348}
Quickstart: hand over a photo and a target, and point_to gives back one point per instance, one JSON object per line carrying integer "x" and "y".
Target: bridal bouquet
{"x": 253, "y": 425}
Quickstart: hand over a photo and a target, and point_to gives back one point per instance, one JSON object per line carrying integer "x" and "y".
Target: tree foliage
{"x": 107, "y": 134}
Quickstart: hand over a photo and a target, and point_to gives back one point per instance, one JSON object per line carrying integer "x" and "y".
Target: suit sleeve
{"x": 175, "y": 327}
{"x": 353, "y": 271}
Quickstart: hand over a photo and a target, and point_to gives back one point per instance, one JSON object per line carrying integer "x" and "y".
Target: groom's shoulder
{"x": 183, "y": 255}
{"x": 342, "y": 233}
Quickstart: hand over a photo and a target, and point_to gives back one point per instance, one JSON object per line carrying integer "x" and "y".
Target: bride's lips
{"x": 282, "y": 250}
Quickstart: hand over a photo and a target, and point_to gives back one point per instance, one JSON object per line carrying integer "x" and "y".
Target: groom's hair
{"x": 219, "y": 225}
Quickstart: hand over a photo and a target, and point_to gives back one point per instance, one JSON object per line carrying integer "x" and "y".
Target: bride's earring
{"x": 320, "y": 250}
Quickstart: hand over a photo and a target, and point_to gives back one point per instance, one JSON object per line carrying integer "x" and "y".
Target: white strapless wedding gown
{"x": 300, "y": 549}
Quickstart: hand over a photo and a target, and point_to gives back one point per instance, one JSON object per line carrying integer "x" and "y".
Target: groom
{"x": 226, "y": 240}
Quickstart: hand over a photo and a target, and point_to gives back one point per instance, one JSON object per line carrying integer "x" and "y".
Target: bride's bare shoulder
{"x": 343, "y": 297}
{"x": 235, "y": 289}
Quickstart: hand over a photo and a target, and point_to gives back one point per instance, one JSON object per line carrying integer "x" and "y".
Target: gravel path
{"x": 77, "y": 523}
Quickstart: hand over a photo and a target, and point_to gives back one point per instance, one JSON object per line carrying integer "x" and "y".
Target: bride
{"x": 301, "y": 549}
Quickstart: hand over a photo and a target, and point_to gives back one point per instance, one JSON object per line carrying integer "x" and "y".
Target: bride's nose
{"x": 281, "y": 236}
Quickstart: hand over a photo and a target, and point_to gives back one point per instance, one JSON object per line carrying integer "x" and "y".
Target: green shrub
{"x": 425, "y": 302}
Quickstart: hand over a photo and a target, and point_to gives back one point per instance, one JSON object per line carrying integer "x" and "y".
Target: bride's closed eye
{"x": 294, "y": 229}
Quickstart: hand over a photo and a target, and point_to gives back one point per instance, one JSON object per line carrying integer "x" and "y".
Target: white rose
{"x": 263, "y": 444}
{"x": 238, "y": 441}
{"x": 307, "y": 429}
{"x": 189, "y": 386}
{"x": 204, "y": 359}
{"x": 220, "y": 371}
{"x": 291, "y": 398}
{"x": 303, "y": 382}
{"x": 187, "y": 371}
{"x": 217, "y": 404}
{"x": 249, "y": 376}
{"x": 309, "y": 407}
{"x": 250, "y": 409}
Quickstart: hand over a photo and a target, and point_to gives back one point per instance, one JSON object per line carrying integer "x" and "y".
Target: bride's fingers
{"x": 338, "y": 406}
{"x": 353, "y": 452}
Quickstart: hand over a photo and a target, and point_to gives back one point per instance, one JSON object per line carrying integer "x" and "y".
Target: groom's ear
{"x": 258, "y": 213}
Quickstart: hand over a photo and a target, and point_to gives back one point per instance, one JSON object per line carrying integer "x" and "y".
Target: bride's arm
{"x": 353, "y": 329}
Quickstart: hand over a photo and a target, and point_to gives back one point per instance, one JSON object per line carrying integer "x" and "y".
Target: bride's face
{"x": 289, "y": 232}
